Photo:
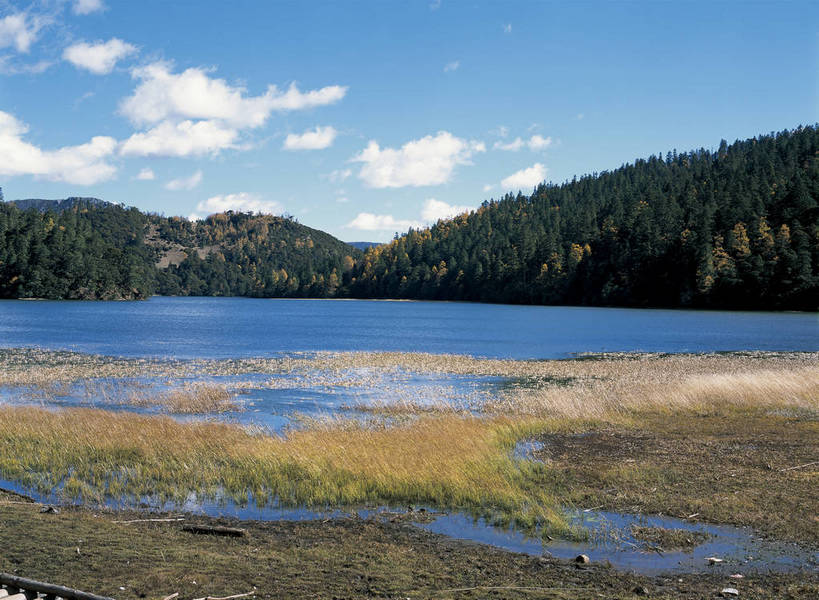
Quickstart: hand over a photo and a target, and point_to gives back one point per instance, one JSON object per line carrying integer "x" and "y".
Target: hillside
{"x": 735, "y": 228}
{"x": 97, "y": 250}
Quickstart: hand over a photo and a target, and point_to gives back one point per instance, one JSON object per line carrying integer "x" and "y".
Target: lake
{"x": 243, "y": 327}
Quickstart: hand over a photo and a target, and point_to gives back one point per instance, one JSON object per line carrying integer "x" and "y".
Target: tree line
{"x": 736, "y": 227}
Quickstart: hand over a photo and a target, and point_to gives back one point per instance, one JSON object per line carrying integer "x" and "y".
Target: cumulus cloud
{"x": 312, "y": 139}
{"x": 534, "y": 143}
{"x": 435, "y": 210}
{"x": 428, "y": 161}
{"x": 187, "y": 138}
{"x": 83, "y": 165}
{"x": 100, "y": 57}
{"x": 19, "y": 30}
{"x": 371, "y": 222}
{"x": 184, "y": 183}
{"x": 452, "y": 66}
{"x": 86, "y": 7}
{"x": 192, "y": 113}
{"x": 146, "y": 174}
{"x": 241, "y": 202}
{"x": 507, "y": 28}
{"x": 192, "y": 94}
{"x": 488, "y": 187}
{"x": 525, "y": 179}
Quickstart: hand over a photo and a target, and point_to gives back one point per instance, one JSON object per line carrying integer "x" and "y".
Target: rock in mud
{"x": 729, "y": 592}
{"x": 640, "y": 590}
{"x": 582, "y": 559}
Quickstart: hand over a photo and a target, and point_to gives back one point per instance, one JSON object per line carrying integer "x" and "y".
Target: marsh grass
{"x": 429, "y": 452}
{"x": 668, "y": 539}
{"x": 450, "y": 462}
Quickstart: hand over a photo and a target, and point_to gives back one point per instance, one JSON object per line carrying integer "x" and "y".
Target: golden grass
{"x": 667, "y": 392}
{"x": 443, "y": 456}
{"x": 445, "y": 462}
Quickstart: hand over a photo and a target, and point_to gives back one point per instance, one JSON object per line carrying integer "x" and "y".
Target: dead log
{"x": 215, "y": 530}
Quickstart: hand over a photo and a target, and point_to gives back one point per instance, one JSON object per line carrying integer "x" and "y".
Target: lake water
{"x": 243, "y": 327}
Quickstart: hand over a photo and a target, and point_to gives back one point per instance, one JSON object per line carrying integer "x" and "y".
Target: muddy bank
{"x": 347, "y": 557}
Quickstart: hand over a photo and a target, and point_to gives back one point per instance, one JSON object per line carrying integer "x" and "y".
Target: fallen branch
{"x": 810, "y": 464}
{"x": 171, "y": 597}
{"x": 150, "y": 521}
{"x": 494, "y": 588}
{"x": 228, "y": 597}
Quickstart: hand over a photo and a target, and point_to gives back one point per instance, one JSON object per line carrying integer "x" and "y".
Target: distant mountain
{"x": 57, "y": 205}
{"x": 364, "y": 245}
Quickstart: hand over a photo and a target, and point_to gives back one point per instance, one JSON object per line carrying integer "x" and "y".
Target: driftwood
{"x": 810, "y": 464}
{"x": 246, "y": 594}
{"x": 215, "y": 530}
{"x": 150, "y": 521}
{"x": 47, "y": 589}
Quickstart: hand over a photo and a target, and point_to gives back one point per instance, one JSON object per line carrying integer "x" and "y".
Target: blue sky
{"x": 364, "y": 118}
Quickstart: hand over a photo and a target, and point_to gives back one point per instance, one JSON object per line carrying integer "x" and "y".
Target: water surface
{"x": 243, "y": 327}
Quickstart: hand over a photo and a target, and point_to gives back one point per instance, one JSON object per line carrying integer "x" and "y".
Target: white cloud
{"x": 83, "y": 165}
{"x": 580, "y": 116}
{"x": 452, "y": 66}
{"x": 19, "y": 30}
{"x": 371, "y": 222}
{"x": 312, "y": 139}
{"x": 339, "y": 175}
{"x": 241, "y": 202}
{"x": 8, "y": 67}
{"x": 187, "y": 138}
{"x": 507, "y": 28}
{"x": 435, "y": 210}
{"x": 192, "y": 94}
{"x": 99, "y": 58}
{"x": 525, "y": 179}
{"x": 184, "y": 183}
{"x": 342, "y": 199}
{"x": 538, "y": 142}
{"x": 428, "y": 161}
{"x": 512, "y": 146}
{"x": 191, "y": 113}
{"x": 146, "y": 174}
{"x": 86, "y": 7}
{"x": 488, "y": 187}
{"x": 534, "y": 143}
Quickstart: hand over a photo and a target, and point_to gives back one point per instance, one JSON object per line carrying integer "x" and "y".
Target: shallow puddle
{"x": 611, "y": 539}
{"x": 610, "y": 536}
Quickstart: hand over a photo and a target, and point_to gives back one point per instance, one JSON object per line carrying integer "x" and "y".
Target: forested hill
{"x": 97, "y": 250}
{"x": 734, "y": 228}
